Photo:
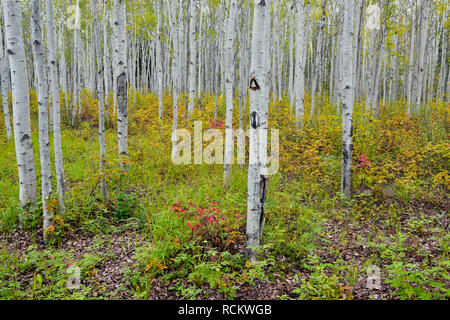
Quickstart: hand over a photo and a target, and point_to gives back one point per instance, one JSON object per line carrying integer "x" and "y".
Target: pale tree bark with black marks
{"x": 42, "y": 89}
{"x": 300, "y": 62}
{"x": 100, "y": 97}
{"x": 420, "y": 77}
{"x": 159, "y": 62}
{"x": 256, "y": 181}
{"x": 56, "y": 108}
{"x": 347, "y": 100}
{"x": 4, "y": 79}
{"x": 193, "y": 55}
{"x": 106, "y": 59}
{"x": 120, "y": 79}
{"x": 21, "y": 101}
{"x": 176, "y": 73}
{"x": 63, "y": 66}
{"x": 229, "y": 88}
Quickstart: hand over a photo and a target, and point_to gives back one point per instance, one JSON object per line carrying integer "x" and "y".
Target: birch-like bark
{"x": 159, "y": 62}
{"x": 75, "y": 65}
{"x": 318, "y": 61}
{"x": 420, "y": 78}
{"x": 4, "y": 78}
{"x": 300, "y": 59}
{"x": 21, "y": 101}
{"x": 56, "y": 108}
{"x": 100, "y": 97}
{"x": 229, "y": 82}
{"x": 193, "y": 55}
{"x": 347, "y": 100}
{"x": 411, "y": 66}
{"x": 63, "y": 66}
{"x": 42, "y": 89}
{"x": 106, "y": 60}
{"x": 256, "y": 181}
{"x": 175, "y": 76}
{"x": 121, "y": 80}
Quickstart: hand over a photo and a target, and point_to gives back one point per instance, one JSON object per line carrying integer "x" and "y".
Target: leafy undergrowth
{"x": 174, "y": 232}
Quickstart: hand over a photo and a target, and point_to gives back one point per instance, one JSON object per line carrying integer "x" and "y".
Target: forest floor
{"x": 174, "y": 232}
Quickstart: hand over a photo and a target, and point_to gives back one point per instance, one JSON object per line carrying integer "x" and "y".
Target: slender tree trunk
{"x": 44, "y": 141}
{"x": 121, "y": 79}
{"x": 256, "y": 180}
{"x": 21, "y": 101}
{"x": 159, "y": 63}
{"x": 229, "y": 81}
{"x": 193, "y": 55}
{"x": 347, "y": 100}
{"x": 54, "y": 89}
{"x": 300, "y": 60}
{"x": 4, "y": 78}
{"x": 100, "y": 97}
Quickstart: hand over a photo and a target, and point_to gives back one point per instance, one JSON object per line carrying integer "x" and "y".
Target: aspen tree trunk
{"x": 411, "y": 65}
{"x": 4, "y": 78}
{"x": 318, "y": 61}
{"x": 44, "y": 141}
{"x": 393, "y": 94}
{"x": 193, "y": 55}
{"x": 21, "y": 101}
{"x": 121, "y": 80}
{"x": 100, "y": 97}
{"x": 359, "y": 4}
{"x": 347, "y": 100}
{"x": 175, "y": 76}
{"x": 56, "y": 116}
{"x": 371, "y": 69}
{"x": 75, "y": 67}
{"x": 422, "y": 51}
{"x": 291, "y": 54}
{"x": 159, "y": 62}
{"x": 442, "y": 68}
{"x": 256, "y": 181}
{"x": 63, "y": 66}
{"x": 106, "y": 59}
{"x": 229, "y": 82}
{"x": 300, "y": 59}
{"x": 200, "y": 49}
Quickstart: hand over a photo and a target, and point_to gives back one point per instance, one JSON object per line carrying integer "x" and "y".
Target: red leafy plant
{"x": 217, "y": 124}
{"x": 223, "y": 230}
{"x": 363, "y": 161}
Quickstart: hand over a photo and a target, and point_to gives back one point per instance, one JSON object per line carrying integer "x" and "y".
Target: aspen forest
{"x": 224, "y": 150}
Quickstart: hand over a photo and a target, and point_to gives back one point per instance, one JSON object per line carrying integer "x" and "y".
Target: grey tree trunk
{"x": 56, "y": 109}
{"x": 100, "y": 97}
{"x": 4, "y": 78}
{"x": 300, "y": 58}
{"x": 229, "y": 82}
{"x": 258, "y": 82}
{"x": 21, "y": 101}
{"x": 347, "y": 100}
{"x": 42, "y": 89}
{"x": 121, "y": 80}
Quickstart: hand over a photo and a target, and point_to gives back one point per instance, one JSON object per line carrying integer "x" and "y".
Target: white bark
{"x": 100, "y": 97}
{"x": 121, "y": 80}
{"x": 44, "y": 141}
{"x": 229, "y": 82}
{"x": 159, "y": 62}
{"x": 193, "y": 55}
{"x": 347, "y": 100}
{"x": 300, "y": 62}
{"x": 56, "y": 116}
{"x": 258, "y": 83}
{"x": 21, "y": 101}
{"x": 4, "y": 78}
